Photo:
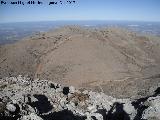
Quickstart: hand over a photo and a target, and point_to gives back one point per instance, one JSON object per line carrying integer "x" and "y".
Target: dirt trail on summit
{"x": 40, "y": 64}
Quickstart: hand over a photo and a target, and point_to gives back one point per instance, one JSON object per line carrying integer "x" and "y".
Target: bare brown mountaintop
{"x": 119, "y": 62}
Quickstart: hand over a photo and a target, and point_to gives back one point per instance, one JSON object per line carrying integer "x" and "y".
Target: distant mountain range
{"x": 11, "y": 32}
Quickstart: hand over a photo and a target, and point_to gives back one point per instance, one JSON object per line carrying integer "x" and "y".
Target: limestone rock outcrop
{"x": 22, "y": 98}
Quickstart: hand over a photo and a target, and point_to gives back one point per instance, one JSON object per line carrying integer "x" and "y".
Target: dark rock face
{"x": 9, "y": 117}
{"x": 42, "y": 105}
{"x": 65, "y": 90}
{"x": 44, "y": 100}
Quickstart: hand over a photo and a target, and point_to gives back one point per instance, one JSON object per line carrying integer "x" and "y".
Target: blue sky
{"x": 134, "y": 10}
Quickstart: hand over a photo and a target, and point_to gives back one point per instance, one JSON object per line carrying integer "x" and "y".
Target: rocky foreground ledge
{"x": 22, "y": 98}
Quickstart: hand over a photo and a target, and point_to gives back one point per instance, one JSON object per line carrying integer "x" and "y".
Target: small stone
{"x": 11, "y": 107}
{"x": 71, "y": 89}
{"x": 91, "y": 108}
{"x": 85, "y": 92}
{"x": 32, "y": 116}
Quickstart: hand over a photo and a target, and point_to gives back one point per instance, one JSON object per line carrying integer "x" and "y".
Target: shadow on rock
{"x": 42, "y": 105}
{"x": 115, "y": 113}
{"x": 157, "y": 91}
{"x": 139, "y": 104}
{"x": 62, "y": 115}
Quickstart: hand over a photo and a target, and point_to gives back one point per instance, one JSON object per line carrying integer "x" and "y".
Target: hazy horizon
{"x": 79, "y": 21}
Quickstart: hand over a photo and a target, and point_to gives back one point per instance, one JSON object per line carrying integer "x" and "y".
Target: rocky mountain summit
{"x": 115, "y": 61}
{"x": 22, "y": 98}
